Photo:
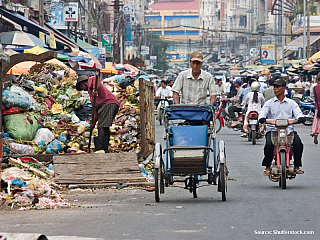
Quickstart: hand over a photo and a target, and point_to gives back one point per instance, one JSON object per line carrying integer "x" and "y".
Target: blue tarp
{"x": 190, "y": 112}
{"x": 79, "y": 59}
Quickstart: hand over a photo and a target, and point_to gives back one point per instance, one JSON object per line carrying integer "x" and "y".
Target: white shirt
{"x": 164, "y": 92}
{"x": 220, "y": 89}
{"x": 253, "y": 106}
{"x": 227, "y": 85}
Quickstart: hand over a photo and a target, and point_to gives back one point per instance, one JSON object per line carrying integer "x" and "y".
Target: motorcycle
{"x": 222, "y": 117}
{"x": 254, "y": 132}
{"x": 162, "y": 103}
{"x": 281, "y": 167}
{"x": 308, "y": 110}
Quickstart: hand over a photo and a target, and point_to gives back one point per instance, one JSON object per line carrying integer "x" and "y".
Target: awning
{"x": 16, "y": 17}
{"x": 16, "y": 25}
{"x": 206, "y": 58}
{"x": 298, "y": 42}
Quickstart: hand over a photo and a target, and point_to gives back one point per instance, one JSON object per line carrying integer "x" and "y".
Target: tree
{"x": 158, "y": 48}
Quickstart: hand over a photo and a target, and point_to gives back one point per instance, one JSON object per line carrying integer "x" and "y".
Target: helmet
{"x": 255, "y": 86}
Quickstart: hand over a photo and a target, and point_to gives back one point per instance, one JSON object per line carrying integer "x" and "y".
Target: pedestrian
{"x": 315, "y": 130}
{"x": 194, "y": 83}
{"x": 106, "y": 108}
{"x": 227, "y": 86}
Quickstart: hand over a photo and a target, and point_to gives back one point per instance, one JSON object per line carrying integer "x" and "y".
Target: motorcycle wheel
{"x": 254, "y": 138}
{"x": 309, "y": 121}
{"x": 161, "y": 117}
{"x": 218, "y": 124}
{"x": 283, "y": 178}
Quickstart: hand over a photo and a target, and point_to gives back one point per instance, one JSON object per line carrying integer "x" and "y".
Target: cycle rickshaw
{"x": 190, "y": 152}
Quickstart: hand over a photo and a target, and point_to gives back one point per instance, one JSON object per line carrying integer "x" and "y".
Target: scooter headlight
{"x": 282, "y": 133}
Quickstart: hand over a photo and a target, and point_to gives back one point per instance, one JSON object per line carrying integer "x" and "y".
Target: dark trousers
{"x": 232, "y": 110}
{"x": 297, "y": 148}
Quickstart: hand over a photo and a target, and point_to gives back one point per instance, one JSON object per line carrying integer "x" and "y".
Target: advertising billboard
{"x": 267, "y": 54}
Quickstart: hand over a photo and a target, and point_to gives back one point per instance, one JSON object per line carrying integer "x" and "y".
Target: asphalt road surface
{"x": 256, "y": 208}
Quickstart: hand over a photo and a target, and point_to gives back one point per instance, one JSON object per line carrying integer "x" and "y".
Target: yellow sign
{"x": 267, "y": 47}
{"x": 53, "y": 44}
{"x": 42, "y": 37}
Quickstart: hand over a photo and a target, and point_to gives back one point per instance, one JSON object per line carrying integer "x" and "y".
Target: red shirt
{"x": 104, "y": 96}
{"x": 316, "y": 94}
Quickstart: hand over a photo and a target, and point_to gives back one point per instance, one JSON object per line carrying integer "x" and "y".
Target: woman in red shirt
{"x": 316, "y": 121}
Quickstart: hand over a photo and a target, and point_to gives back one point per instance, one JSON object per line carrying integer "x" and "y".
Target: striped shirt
{"x": 194, "y": 91}
{"x": 274, "y": 109}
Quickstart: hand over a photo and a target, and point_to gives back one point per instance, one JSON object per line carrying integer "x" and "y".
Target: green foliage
{"x": 158, "y": 48}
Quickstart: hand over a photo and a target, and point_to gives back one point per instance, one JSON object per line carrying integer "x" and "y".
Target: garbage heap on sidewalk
{"x": 29, "y": 185}
{"x": 44, "y": 114}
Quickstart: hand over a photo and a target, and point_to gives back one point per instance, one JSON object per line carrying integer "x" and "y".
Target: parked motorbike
{"x": 254, "y": 132}
{"x": 282, "y": 167}
{"x": 308, "y": 110}
{"x": 222, "y": 117}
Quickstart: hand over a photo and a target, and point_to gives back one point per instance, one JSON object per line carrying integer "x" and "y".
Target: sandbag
{"x": 21, "y": 126}
{"x": 13, "y": 99}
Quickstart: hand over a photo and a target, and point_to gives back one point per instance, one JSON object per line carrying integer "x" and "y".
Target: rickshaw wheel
{"x": 223, "y": 178}
{"x": 156, "y": 184}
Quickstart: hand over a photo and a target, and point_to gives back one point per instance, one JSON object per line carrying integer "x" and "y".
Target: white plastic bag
{"x": 44, "y": 134}
{"x": 22, "y": 149}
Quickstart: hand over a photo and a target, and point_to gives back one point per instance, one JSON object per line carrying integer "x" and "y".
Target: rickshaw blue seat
{"x": 189, "y": 135}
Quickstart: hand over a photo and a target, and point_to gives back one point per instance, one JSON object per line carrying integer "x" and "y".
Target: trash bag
{"x": 126, "y": 82}
{"x": 13, "y": 99}
{"x": 43, "y": 134}
{"x": 21, "y": 126}
{"x": 21, "y": 148}
{"x": 84, "y": 112}
{"x": 54, "y": 147}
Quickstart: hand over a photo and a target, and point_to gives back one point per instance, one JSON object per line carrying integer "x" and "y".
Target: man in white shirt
{"x": 220, "y": 88}
{"x": 164, "y": 90}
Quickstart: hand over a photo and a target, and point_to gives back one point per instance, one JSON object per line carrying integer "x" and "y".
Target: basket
{"x": 274, "y": 138}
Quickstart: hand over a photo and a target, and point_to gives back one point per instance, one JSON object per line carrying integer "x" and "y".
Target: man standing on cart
{"x": 194, "y": 84}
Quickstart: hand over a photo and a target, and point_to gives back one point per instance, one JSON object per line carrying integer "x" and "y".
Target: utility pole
{"x": 41, "y": 13}
{"x": 89, "y": 20}
{"x": 308, "y": 33}
{"x": 304, "y": 56}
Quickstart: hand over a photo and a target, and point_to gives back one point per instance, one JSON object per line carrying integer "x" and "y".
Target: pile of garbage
{"x": 44, "y": 114}
{"x": 29, "y": 185}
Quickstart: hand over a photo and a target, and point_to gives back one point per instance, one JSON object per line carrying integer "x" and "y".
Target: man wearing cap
{"x": 281, "y": 106}
{"x": 194, "y": 83}
{"x": 236, "y": 103}
{"x": 106, "y": 108}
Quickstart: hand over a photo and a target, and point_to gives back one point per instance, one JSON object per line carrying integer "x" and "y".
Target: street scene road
{"x": 255, "y": 206}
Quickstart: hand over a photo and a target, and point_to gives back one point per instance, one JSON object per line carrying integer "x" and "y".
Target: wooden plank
{"x": 147, "y": 119}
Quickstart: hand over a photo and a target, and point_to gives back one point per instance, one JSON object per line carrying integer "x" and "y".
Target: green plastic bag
{"x": 19, "y": 127}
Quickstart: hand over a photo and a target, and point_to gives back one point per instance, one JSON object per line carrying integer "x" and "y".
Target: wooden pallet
{"x": 102, "y": 169}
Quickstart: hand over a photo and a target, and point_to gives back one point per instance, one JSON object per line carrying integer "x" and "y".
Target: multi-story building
{"x": 178, "y": 23}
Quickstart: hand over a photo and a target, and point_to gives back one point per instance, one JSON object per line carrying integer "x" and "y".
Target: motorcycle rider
{"x": 281, "y": 106}
{"x": 255, "y": 101}
{"x": 164, "y": 91}
{"x": 236, "y": 103}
